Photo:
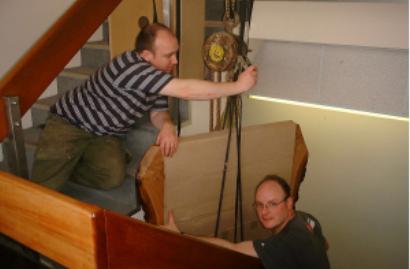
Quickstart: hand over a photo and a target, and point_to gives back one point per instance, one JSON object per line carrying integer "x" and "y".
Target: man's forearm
{"x": 245, "y": 247}
{"x": 193, "y": 89}
{"x": 160, "y": 118}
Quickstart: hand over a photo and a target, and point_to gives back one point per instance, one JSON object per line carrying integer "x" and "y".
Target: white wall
{"x": 356, "y": 181}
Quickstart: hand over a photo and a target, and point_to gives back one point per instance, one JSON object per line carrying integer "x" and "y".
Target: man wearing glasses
{"x": 296, "y": 241}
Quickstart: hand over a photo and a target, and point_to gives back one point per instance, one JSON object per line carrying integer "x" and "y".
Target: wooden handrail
{"x": 80, "y": 235}
{"x": 31, "y": 75}
{"x": 60, "y": 227}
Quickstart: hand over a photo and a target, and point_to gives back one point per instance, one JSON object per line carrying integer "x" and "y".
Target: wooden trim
{"x": 100, "y": 238}
{"x": 49, "y": 55}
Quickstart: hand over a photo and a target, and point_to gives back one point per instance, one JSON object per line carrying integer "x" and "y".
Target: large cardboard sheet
{"x": 193, "y": 177}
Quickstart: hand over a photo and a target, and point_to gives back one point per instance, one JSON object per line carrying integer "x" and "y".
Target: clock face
{"x": 216, "y": 52}
{"x": 220, "y": 51}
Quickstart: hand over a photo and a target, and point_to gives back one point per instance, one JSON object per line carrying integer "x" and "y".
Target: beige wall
{"x": 356, "y": 181}
{"x": 374, "y": 24}
{"x": 21, "y": 24}
{"x": 357, "y": 178}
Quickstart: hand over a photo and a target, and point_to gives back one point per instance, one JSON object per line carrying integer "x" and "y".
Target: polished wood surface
{"x": 79, "y": 235}
{"x": 134, "y": 244}
{"x": 53, "y": 224}
{"x": 31, "y": 75}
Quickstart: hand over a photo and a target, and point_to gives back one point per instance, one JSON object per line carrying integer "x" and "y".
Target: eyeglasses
{"x": 269, "y": 205}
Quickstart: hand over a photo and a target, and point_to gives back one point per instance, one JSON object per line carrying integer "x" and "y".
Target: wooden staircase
{"x": 80, "y": 235}
{"x": 123, "y": 198}
{"x": 75, "y": 233}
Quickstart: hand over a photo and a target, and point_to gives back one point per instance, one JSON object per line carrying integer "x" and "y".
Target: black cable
{"x": 238, "y": 200}
{"x": 155, "y": 15}
{"x": 225, "y": 169}
{"x": 178, "y": 35}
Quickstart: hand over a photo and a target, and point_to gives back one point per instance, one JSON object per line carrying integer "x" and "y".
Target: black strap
{"x": 225, "y": 168}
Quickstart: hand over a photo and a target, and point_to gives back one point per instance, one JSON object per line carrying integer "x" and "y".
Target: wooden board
{"x": 134, "y": 244}
{"x": 53, "y": 224}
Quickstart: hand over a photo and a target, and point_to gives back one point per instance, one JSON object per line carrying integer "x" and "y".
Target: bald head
{"x": 146, "y": 38}
{"x": 273, "y": 203}
{"x": 279, "y": 180}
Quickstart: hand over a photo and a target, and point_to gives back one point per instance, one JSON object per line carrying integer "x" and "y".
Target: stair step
{"x": 70, "y": 78}
{"x": 95, "y": 54}
{"x": 121, "y": 199}
{"x": 40, "y": 110}
{"x": 101, "y": 45}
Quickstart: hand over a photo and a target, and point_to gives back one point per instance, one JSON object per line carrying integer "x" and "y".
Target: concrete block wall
{"x": 360, "y": 78}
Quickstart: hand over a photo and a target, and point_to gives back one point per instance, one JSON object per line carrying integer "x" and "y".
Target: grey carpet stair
{"x": 95, "y": 54}
{"x": 40, "y": 110}
{"x": 70, "y": 78}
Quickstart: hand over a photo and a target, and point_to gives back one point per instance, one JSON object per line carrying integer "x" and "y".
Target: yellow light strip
{"x": 338, "y": 109}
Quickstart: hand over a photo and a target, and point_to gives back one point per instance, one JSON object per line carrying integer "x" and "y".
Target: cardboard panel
{"x": 193, "y": 176}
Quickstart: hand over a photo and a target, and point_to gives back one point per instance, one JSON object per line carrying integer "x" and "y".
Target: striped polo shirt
{"x": 115, "y": 96}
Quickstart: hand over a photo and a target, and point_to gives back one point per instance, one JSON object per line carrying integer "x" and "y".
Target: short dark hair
{"x": 146, "y": 37}
{"x": 275, "y": 178}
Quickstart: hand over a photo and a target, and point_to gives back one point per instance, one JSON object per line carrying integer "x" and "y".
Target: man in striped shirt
{"x": 82, "y": 137}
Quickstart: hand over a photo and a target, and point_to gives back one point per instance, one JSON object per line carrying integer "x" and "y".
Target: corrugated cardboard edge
{"x": 300, "y": 159}
{"x": 151, "y": 180}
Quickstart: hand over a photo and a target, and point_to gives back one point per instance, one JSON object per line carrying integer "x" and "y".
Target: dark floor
{"x": 11, "y": 259}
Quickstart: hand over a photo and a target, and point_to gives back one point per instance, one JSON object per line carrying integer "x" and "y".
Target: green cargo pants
{"x": 66, "y": 152}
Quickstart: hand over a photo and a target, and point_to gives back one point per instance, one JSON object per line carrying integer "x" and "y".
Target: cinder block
{"x": 368, "y": 79}
{"x": 288, "y": 70}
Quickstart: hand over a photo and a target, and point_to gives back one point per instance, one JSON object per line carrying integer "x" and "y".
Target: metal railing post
{"x": 15, "y": 151}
